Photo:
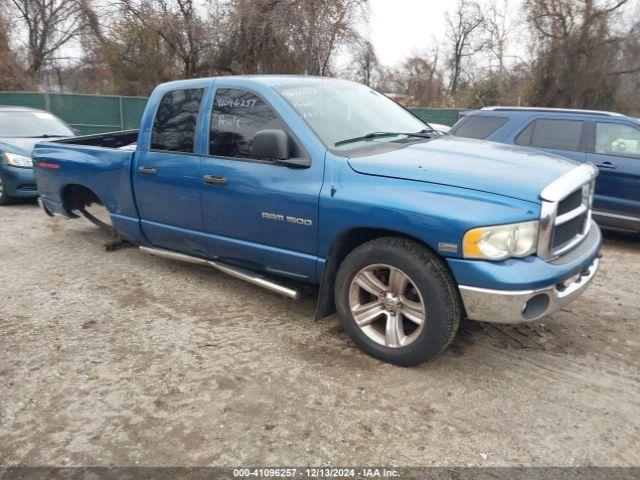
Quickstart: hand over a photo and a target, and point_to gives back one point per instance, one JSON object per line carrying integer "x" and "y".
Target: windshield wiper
{"x": 421, "y": 134}
{"x": 434, "y": 130}
{"x": 46, "y": 135}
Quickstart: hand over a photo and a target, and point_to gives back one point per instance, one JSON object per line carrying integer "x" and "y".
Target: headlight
{"x": 502, "y": 241}
{"x": 16, "y": 160}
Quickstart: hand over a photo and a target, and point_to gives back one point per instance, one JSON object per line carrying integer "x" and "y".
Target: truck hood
{"x": 21, "y": 146}
{"x": 491, "y": 167}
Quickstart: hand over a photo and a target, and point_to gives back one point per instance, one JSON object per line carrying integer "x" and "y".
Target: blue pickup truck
{"x": 328, "y": 182}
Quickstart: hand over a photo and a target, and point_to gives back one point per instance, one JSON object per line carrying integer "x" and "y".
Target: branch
{"x": 623, "y": 72}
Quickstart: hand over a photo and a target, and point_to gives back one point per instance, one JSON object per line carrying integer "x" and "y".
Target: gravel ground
{"x": 127, "y": 359}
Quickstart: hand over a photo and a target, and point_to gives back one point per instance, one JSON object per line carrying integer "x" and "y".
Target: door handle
{"x": 606, "y": 165}
{"x": 147, "y": 170}
{"x": 215, "y": 180}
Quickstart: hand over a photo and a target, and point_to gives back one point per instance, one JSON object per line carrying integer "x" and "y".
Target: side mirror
{"x": 272, "y": 144}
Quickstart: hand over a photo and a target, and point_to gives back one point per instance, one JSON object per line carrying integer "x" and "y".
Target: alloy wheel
{"x": 387, "y": 305}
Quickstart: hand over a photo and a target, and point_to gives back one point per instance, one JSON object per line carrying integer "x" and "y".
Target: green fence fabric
{"x": 90, "y": 114}
{"x": 32, "y": 100}
{"x": 445, "y": 116}
{"x": 132, "y": 109}
{"x": 82, "y": 112}
{"x": 86, "y": 113}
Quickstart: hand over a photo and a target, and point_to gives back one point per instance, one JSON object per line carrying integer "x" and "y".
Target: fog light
{"x": 536, "y": 306}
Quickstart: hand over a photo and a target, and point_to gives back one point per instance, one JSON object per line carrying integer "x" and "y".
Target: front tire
{"x": 4, "y": 198}
{"x": 397, "y": 301}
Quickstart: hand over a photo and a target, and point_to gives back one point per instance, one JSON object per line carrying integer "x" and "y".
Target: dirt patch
{"x": 127, "y": 359}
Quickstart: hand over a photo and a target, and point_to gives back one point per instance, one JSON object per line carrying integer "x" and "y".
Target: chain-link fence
{"x": 86, "y": 113}
{"x": 444, "y": 116}
{"x": 105, "y": 113}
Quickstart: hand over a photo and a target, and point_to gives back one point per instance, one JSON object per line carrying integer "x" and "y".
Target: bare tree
{"x": 49, "y": 24}
{"x": 628, "y": 93}
{"x": 463, "y": 30}
{"x": 417, "y": 82}
{"x": 365, "y": 62}
{"x": 177, "y": 23}
{"x": 500, "y": 29}
{"x": 260, "y": 42}
{"x": 144, "y": 42}
{"x": 255, "y": 40}
{"x": 424, "y": 82}
{"x": 321, "y": 27}
{"x": 577, "y": 52}
{"x": 12, "y": 75}
{"x": 135, "y": 55}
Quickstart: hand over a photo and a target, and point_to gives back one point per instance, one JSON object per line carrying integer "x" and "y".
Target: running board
{"x": 246, "y": 275}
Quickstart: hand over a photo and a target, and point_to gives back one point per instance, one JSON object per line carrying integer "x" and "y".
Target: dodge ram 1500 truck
{"x": 329, "y": 182}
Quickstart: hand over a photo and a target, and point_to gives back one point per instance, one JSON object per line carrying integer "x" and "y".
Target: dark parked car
{"x": 609, "y": 140}
{"x": 20, "y": 129}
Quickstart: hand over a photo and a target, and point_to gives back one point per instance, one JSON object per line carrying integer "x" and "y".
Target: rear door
{"x": 166, "y": 176}
{"x": 616, "y": 152}
{"x": 561, "y": 136}
{"x": 258, "y": 214}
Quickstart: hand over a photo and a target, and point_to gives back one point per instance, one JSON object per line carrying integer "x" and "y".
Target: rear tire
{"x": 405, "y": 299}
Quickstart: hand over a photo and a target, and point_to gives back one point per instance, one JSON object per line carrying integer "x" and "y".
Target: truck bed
{"x": 99, "y": 163}
{"x": 106, "y": 140}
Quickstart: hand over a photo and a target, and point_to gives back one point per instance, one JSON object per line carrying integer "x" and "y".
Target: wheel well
{"x": 75, "y": 197}
{"x": 346, "y": 242}
{"x": 339, "y": 249}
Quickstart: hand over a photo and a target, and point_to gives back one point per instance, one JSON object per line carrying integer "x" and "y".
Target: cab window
{"x": 236, "y": 117}
{"x": 556, "y": 134}
{"x": 174, "y": 128}
{"x": 617, "y": 139}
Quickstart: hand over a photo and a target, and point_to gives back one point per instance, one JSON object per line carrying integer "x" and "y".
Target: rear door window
{"x": 478, "y": 126}
{"x": 554, "y": 134}
{"x": 174, "y": 128}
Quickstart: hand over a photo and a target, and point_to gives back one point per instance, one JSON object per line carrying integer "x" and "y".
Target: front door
{"x": 166, "y": 177}
{"x": 258, "y": 213}
{"x": 617, "y": 155}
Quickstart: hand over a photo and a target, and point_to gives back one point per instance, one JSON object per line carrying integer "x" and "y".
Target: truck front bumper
{"x": 515, "y": 306}
{"x": 525, "y": 289}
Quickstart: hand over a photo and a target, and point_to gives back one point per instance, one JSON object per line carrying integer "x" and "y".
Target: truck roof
{"x": 267, "y": 80}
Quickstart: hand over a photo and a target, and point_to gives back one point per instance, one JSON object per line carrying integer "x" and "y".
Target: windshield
{"x": 32, "y": 124}
{"x": 340, "y": 110}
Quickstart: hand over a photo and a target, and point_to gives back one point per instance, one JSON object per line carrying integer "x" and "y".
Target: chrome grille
{"x": 565, "y": 217}
{"x": 564, "y": 233}
{"x": 570, "y": 203}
